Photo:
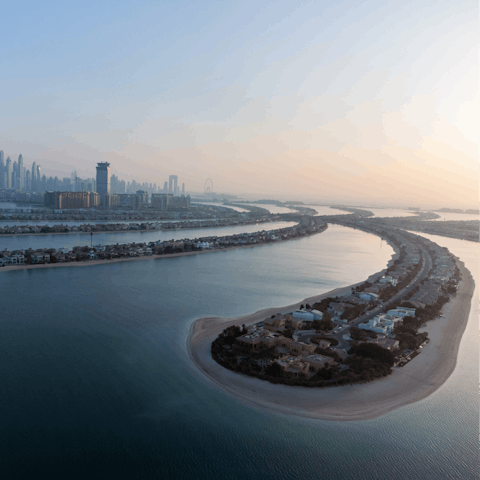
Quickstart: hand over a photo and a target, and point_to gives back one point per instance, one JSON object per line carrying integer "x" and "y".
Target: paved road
{"x": 427, "y": 264}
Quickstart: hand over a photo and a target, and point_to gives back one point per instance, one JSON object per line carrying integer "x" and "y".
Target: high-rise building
{"x": 179, "y": 202}
{"x": 28, "y": 181}
{"x": 103, "y": 179}
{"x": 165, "y": 187}
{"x": 9, "y": 168}
{"x": 34, "y": 177}
{"x": 38, "y": 175}
{"x": 160, "y": 201}
{"x": 2, "y": 169}
{"x": 183, "y": 189}
{"x": 21, "y": 174}
{"x": 172, "y": 183}
{"x": 136, "y": 202}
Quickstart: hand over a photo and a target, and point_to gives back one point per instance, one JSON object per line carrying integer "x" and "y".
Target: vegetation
{"x": 373, "y": 351}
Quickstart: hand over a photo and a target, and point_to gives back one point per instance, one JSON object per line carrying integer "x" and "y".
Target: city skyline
{"x": 15, "y": 176}
{"x": 311, "y": 100}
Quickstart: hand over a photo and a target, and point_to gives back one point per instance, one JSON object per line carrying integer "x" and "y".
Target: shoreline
{"x": 418, "y": 379}
{"x": 135, "y": 231}
{"x": 86, "y": 263}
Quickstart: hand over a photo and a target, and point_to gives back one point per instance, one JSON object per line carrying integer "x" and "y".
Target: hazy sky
{"x": 341, "y": 101}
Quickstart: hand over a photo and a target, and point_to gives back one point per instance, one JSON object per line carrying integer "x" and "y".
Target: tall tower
{"x": 28, "y": 181}
{"x": 38, "y": 174}
{"x": 34, "y": 177}
{"x": 183, "y": 188}
{"x": 172, "y": 184}
{"x": 9, "y": 173}
{"x": 2, "y": 169}
{"x": 103, "y": 179}
{"x": 21, "y": 173}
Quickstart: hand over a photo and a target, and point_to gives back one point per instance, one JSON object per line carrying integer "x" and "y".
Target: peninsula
{"x": 347, "y": 338}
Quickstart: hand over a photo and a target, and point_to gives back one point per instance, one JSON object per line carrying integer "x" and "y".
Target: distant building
{"x": 136, "y": 202}
{"x": 183, "y": 188}
{"x": 67, "y": 200}
{"x": 160, "y": 201}
{"x": 143, "y": 195}
{"x": 172, "y": 183}
{"x": 179, "y": 202}
{"x": 94, "y": 199}
{"x": 110, "y": 201}
{"x": 103, "y": 179}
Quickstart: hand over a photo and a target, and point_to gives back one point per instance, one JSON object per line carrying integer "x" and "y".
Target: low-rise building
{"x": 316, "y": 362}
{"x": 388, "y": 343}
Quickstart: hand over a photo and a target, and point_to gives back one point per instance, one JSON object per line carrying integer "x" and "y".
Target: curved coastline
{"x": 409, "y": 384}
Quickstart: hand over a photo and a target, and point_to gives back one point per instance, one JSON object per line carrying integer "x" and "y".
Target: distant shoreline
{"x": 411, "y": 383}
{"x": 193, "y": 227}
{"x": 86, "y": 263}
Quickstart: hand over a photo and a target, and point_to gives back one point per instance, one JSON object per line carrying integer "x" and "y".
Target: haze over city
{"x": 372, "y": 102}
{"x": 239, "y": 240}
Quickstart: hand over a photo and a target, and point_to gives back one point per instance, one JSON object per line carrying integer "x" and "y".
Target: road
{"x": 427, "y": 264}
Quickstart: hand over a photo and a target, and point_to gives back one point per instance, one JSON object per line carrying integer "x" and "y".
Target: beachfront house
{"x": 369, "y": 296}
{"x": 303, "y": 314}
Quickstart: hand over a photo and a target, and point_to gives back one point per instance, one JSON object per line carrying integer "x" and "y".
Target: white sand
{"x": 408, "y": 384}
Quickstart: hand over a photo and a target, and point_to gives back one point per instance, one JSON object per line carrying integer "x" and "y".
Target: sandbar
{"x": 416, "y": 380}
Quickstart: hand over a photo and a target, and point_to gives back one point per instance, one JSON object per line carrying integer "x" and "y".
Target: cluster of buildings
{"x": 198, "y": 211}
{"x": 442, "y": 274}
{"x": 122, "y": 227}
{"x": 104, "y": 197}
{"x": 295, "y": 357}
{"x": 23, "y": 184}
{"x": 108, "y": 252}
{"x": 15, "y": 176}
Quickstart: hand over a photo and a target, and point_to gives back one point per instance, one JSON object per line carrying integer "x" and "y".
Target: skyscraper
{"x": 9, "y": 173}
{"x": 172, "y": 183}
{"x": 34, "y": 177}
{"x": 103, "y": 179}
{"x": 165, "y": 187}
{"x": 2, "y": 169}
{"x": 21, "y": 173}
{"x": 183, "y": 188}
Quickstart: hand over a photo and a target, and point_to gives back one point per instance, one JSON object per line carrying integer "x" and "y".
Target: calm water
{"x": 445, "y": 216}
{"x": 326, "y": 210}
{"x": 11, "y": 223}
{"x": 273, "y": 208}
{"x": 389, "y": 212}
{"x": 79, "y": 239}
{"x": 96, "y": 381}
{"x": 19, "y": 206}
{"x": 218, "y": 204}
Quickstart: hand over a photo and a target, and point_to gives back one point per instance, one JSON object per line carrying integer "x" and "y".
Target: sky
{"x": 353, "y": 102}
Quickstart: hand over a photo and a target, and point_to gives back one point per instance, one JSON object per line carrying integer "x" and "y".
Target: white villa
{"x": 383, "y": 323}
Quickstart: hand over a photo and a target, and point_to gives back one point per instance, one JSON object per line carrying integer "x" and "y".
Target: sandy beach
{"x": 406, "y": 385}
